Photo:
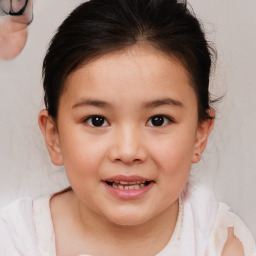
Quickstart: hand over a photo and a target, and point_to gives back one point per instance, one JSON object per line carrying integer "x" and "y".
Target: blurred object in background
{"x": 15, "y": 16}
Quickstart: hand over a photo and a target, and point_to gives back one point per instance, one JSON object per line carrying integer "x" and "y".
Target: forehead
{"x": 135, "y": 73}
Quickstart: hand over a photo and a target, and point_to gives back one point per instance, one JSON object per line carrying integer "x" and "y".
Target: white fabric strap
{"x": 44, "y": 226}
{"x": 200, "y": 209}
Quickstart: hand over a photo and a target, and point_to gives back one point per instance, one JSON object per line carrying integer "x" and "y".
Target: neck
{"x": 124, "y": 237}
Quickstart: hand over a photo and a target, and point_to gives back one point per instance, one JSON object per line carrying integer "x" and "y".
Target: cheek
{"x": 82, "y": 156}
{"x": 176, "y": 148}
{"x": 82, "y": 166}
{"x": 175, "y": 162}
{"x": 174, "y": 166}
{"x": 173, "y": 156}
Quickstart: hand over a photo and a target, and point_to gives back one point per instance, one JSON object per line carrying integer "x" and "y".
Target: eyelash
{"x": 89, "y": 118}
{"x": 166, "y": 121}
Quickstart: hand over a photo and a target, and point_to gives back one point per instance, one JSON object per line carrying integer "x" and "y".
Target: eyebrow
{"x": 161, "y": 102}
{"x": 94, "y": 103}
{"x": 148, "y": 104}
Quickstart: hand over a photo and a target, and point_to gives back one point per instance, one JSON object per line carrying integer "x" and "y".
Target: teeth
{"x": 128, "y": 182}
{"x": 127, "y": 186}
{"x": 123, "y": 182}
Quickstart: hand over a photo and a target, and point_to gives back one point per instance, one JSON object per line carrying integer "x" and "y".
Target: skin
{"x": 13, "y": 29}
{"x": 233, "y": 246}
{"x": 96, "y": 222}
{"x": 13, "y": 37}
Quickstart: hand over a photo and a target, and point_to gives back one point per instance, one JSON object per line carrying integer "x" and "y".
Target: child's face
{"x": 129, "y": 116}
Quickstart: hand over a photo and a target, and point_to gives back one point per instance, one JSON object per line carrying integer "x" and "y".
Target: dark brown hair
{"x": 98, "y": 27}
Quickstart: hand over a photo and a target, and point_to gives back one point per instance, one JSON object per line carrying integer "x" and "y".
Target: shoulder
{"x": 17, "y": 230}
{"x": 16, "y": 212}
{"x": 215, "y": 228}
{"x": 233, "y": 245}
{"x": 229, "y": 235}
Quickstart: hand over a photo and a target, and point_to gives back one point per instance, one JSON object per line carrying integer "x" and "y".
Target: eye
{"x": 96, "y": 121}
{"x": 159, "y": 120}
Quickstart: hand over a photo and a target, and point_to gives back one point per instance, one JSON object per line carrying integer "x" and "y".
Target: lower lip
{"x": 128, "y": 194}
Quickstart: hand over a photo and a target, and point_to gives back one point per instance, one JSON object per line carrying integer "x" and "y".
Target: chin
{"x": 128, "y": 219}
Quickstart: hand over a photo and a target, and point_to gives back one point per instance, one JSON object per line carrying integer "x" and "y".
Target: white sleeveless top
{"x": 201, "y": 230}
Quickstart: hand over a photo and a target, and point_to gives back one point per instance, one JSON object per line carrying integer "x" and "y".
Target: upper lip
{"x": 127, "y": 178}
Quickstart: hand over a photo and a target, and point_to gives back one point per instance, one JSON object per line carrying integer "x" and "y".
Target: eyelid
{"x": 169, "y": 119}
{"x": 106, "y": 122}
{"x": 85, "y": 120}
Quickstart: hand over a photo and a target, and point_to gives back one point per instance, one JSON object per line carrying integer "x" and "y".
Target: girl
{"x": 127, "y": 113}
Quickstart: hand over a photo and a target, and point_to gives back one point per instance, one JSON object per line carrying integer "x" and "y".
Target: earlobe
{"x": 51, "y": 137}
{"x": 203, "y": 132}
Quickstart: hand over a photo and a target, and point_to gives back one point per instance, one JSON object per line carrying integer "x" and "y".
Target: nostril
{"x": 129, "y": 160}
{"x": 137, "y": 161}
{"x": 127, "y": 149}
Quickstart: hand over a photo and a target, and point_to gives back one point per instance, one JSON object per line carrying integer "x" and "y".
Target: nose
{"x": 128, "y": 147}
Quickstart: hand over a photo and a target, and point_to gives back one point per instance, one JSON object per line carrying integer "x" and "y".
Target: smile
{"x": 128, "y": 185}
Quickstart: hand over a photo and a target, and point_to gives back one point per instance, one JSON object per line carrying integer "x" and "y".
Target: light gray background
{"x": 229, "y": 163}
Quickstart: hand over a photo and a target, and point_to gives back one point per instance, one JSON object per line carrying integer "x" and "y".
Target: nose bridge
{"x": 128, "y": 145}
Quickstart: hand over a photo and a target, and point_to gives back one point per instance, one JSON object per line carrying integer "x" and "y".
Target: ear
{"x": 51, "y": 137}
{"x": 203, "y": 132}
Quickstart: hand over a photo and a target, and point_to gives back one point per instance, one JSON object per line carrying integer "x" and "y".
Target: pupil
{"x": 157, "y": 120}
{"x": 97, "y": 121}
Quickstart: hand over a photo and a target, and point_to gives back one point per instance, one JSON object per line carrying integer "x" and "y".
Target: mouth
{"x": 128, "y": 185}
